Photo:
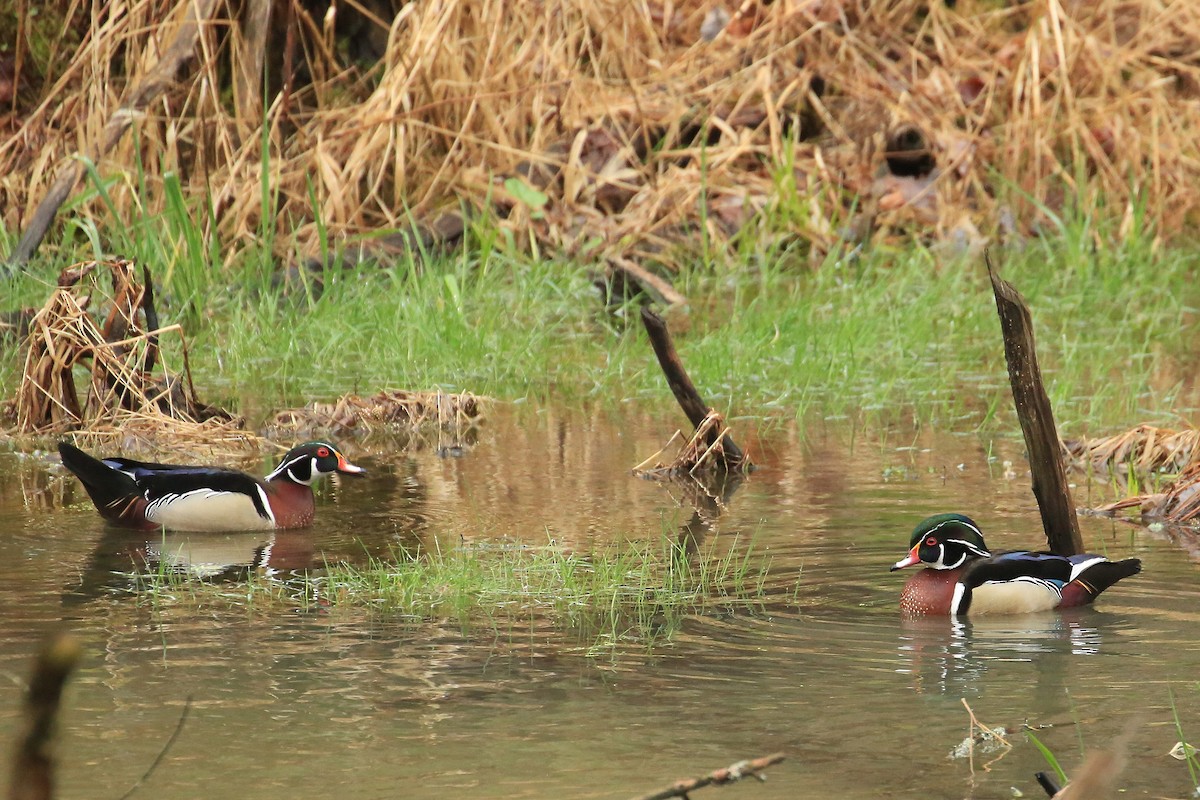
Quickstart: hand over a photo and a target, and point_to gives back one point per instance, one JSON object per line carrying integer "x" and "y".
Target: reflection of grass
{"x": 634, "y": 593}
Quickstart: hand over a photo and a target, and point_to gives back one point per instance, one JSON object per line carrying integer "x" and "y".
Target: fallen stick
{"x": 734, "y": 772}
{"x": 1037, "y": 419}
{"x": 684, "y": 390}
{"x": 33, "y": 763}
{"x": 166, "y": 748}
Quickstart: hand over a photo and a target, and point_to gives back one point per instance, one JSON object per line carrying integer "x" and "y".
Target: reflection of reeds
{"x": 637, "y": 129}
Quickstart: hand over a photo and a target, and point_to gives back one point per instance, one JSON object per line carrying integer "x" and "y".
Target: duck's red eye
{"x": 931, "y": 541}
{"x": 322, "y": 452}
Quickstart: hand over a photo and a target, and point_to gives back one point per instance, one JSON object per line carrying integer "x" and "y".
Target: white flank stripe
{"x": 959, "y": 590}
{"x": 266, "y": 503}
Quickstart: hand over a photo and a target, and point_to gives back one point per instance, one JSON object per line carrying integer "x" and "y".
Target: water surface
{"x": 288, "y": 703}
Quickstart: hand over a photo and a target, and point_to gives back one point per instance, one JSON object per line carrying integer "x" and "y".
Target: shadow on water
{"x": 865, "y": 704}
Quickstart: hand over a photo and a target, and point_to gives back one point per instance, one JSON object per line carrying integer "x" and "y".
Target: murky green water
{"x": 288, "y": 704}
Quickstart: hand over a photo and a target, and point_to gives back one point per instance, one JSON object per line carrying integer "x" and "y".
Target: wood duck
{"x": 964, "y": 577}
{"x": 149, "y": 496}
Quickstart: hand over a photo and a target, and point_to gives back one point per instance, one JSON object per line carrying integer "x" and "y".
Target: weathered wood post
{"x": 1037, "y": 419}
{"x": 683, "y": 388}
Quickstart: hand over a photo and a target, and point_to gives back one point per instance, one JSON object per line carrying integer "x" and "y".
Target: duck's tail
{"x": 1096, "y": 578}
{"x": 111, "y": 489}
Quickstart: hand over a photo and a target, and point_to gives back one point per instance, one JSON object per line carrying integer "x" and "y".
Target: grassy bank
{"x": 883, "y": 337}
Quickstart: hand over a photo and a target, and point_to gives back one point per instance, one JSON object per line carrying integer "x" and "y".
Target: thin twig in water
{"x": 986, "y": 731}
{"x": 187, "y": 706}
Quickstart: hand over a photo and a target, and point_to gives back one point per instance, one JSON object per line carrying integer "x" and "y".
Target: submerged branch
{"x": 734, "y": 772}
{"x": 166, "y": 748}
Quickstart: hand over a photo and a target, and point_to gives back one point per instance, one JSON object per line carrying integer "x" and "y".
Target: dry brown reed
{"x": 1144, "y": 448}
{"x": 643, "y": 124}
{"x": 134, "y": 391}
{"x": 1179, "y": 502}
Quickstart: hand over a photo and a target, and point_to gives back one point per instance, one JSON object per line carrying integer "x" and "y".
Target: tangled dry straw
{"x": 135, "y": 396}
{"x": 408, "y": 410}
{"x": 1142, "y": 450}
{"x": 703, "y": 452}
{"x": 132, "y": 394}
{"x": 1178, "y": 503}
{"x": 628, "y": 127}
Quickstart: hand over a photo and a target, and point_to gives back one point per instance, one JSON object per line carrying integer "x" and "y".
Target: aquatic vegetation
{"x": 635, "y": 593}
{"x": 1184, "y": 751}
{"x": 1047, "y": 754}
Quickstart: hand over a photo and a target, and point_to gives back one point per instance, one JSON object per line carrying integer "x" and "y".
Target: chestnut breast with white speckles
{"x": 929, "y": 592}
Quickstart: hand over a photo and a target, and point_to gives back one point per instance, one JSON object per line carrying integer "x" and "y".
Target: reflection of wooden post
{"x": 683, "y": 388}
{"x": 1037, "y": 419}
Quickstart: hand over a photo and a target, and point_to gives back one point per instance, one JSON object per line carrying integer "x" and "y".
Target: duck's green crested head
{"x": 944, "y": 541}
{"x": 309, "y": 461}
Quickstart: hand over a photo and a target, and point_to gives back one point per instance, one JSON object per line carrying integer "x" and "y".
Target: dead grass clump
{"x": 1144, "y": 448}
{"x": 149, "y": 436}
{"x": 391, "y": 409}
{"x": 111, "y": 336}
{"x": 1178, "y": 503}
{"x": 634, "y": 127}
{"x": 703, "y": 452}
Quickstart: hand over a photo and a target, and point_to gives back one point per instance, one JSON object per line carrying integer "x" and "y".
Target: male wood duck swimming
{"x": 148, "y": 496}
{"x": 963, "y": 577}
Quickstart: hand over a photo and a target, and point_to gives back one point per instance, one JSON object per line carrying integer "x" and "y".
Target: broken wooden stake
{"x": 732, "y": 457}
{"x": 1037, "y": 419}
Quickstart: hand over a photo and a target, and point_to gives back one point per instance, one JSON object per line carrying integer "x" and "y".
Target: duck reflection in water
{"x": 952, "y": 655}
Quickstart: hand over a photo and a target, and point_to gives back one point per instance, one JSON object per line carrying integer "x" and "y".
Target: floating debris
{"x": 982, "y": 742}
{"x": 1178, "y": 503}
{"x": 1182, "y": 751}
